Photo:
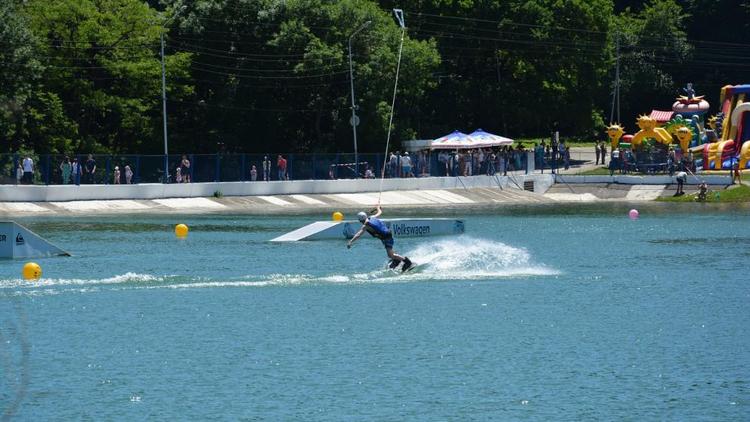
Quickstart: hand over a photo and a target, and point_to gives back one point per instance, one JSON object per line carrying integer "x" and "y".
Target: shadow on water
{"x": 127, "y": 225}
{"x": 593, "y": 209}
{"x": 705, "y": 241}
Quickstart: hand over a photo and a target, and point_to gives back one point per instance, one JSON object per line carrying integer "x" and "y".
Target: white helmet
{"x": 361, "y": 216}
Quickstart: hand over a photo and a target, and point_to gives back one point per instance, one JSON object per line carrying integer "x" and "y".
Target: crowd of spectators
{"x": 548, "y": 155}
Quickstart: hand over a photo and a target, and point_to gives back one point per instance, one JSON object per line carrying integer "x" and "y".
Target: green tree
{"x": 101, "y": 60}
{"x": 18, "y": 67}
{"x": 274, "y": 76}
{"x": 654, "y": 48}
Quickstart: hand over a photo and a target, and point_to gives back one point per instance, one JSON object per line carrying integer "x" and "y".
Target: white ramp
{"x": 309, "y": 231}
{"x": 16, "y": 241}
{"x": 400, "y": 227}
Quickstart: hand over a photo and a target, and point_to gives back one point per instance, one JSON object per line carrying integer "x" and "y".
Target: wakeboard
{"x": 399, "y": 267}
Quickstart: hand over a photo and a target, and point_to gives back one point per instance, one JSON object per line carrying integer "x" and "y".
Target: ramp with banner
{"x": 400, "y": 227}
{"x": 16, "y": 241}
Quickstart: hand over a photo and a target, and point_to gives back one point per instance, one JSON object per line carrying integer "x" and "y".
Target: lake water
{"x": 535, "y": 313}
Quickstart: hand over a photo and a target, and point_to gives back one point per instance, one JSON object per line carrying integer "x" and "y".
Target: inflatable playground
{"x": 664, "y": 138}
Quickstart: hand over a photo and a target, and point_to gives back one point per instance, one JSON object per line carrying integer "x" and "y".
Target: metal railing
{"x": 48, "y": 169}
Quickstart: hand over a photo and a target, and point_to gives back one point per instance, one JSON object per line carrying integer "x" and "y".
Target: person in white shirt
{"x": 405, "y": 165}
{"x": 28, "y": 170}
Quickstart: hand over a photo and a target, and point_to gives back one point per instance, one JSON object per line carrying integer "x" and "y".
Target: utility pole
{"x": 164, "y": 110}
{"x": 616, "y": 88}
{"x": 164, "y": 95}
{"x": 355, "y": 119}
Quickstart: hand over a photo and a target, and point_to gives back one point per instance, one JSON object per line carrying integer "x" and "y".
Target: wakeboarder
{"x": 377, "y": 228}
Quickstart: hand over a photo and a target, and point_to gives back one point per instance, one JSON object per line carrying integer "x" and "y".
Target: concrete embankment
{"x": 274, "y": 197}
{"x": 322, "y": 196}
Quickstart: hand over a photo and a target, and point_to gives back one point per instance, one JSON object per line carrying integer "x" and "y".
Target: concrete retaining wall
{"x": 643, "y": 180}
{"x": 62, "y": 193}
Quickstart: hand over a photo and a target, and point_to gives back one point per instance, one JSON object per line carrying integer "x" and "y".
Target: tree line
{"x": 268, "y": 75}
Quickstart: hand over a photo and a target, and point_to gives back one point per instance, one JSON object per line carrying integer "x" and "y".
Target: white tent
{"x": 484, "y": 139}
{"x": 454, "y": 140}
{"x": 476, "y": 139}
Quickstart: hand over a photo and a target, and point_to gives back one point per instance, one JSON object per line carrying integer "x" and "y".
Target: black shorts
{"x": 388, "y": 242}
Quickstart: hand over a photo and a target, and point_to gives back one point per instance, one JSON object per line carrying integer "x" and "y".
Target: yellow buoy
{"x": 32, "y": 271}
{"x": 181, "y": 230}
{"x": 337, "y": 216}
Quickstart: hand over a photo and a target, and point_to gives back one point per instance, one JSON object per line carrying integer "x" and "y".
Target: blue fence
{"x": 51, "y": 169}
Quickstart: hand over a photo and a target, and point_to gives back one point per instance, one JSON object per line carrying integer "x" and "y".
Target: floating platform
{"x": 16, "y": 241}
{"x": 400, "y": 227}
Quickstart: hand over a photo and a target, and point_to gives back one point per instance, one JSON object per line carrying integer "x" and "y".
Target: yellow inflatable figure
{"x": 712, "y": 122}
{"x": 684, "y": 135}
{"x": 615, "y": 132}
{"x": 649, "y": 130}
{"x": 745, "y": 155}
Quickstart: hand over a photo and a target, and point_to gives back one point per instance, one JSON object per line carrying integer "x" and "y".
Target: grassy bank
{"x": 737, "y": 193}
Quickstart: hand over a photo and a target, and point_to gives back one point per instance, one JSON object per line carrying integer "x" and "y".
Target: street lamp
{"x": 355, "y": 119}
{"x": 164, "y": 94}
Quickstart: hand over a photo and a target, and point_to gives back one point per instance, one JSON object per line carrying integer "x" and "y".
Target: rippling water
{"x": 534, "y": 313}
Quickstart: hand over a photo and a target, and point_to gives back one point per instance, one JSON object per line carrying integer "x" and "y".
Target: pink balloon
{"x": 633, "y": 214}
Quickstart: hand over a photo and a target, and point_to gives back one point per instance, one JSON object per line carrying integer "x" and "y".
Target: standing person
{"x": 266, "y": 168}
{"x": 393, "y": 165}
{"x": 555, "y": 141}
{"x": 281, "y": 164}
{"x": 117, "y": 175}
{"x": 185, "y": 169}
{"x": 566, "y": 157}
{"x": 253, "y": 174}
{"x": 604, "y": 152}
{"x": 377, "y": 228}
{"x": 424, "y": 161}
{"x": 538, "y": 153}
{"x": 681, "y": 179}
{"x": 28, "y": 170}
{"x": 90, "y": 169}
{"x": 443, "y": 160}
{"x": 597, "y": 152}
{"x": 19, "y": 174}
{"x": 128, "y": 175}
{"x": 75, "y": 170}
{"x": 468, "y": 162}
{"x": 614, "y": 162}
{"x": 65, "y": 167}
{"x": 561, "y": 149}
{"x": 406, "y": 165}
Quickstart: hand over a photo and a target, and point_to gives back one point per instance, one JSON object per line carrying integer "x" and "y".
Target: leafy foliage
{"x": 270, "y": 75}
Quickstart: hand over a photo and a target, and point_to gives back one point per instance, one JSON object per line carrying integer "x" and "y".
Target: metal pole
{"x": 351, "y": 84}
{"x": 164, "y": 93}
{"x": 616, "y": 88}
{"x": 164, "y": 110}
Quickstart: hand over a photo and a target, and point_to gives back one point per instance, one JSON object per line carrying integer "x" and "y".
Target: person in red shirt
{"x": 281, "y": 164}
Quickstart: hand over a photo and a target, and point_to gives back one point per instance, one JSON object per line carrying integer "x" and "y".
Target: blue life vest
{"x": 377, "y": 228}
